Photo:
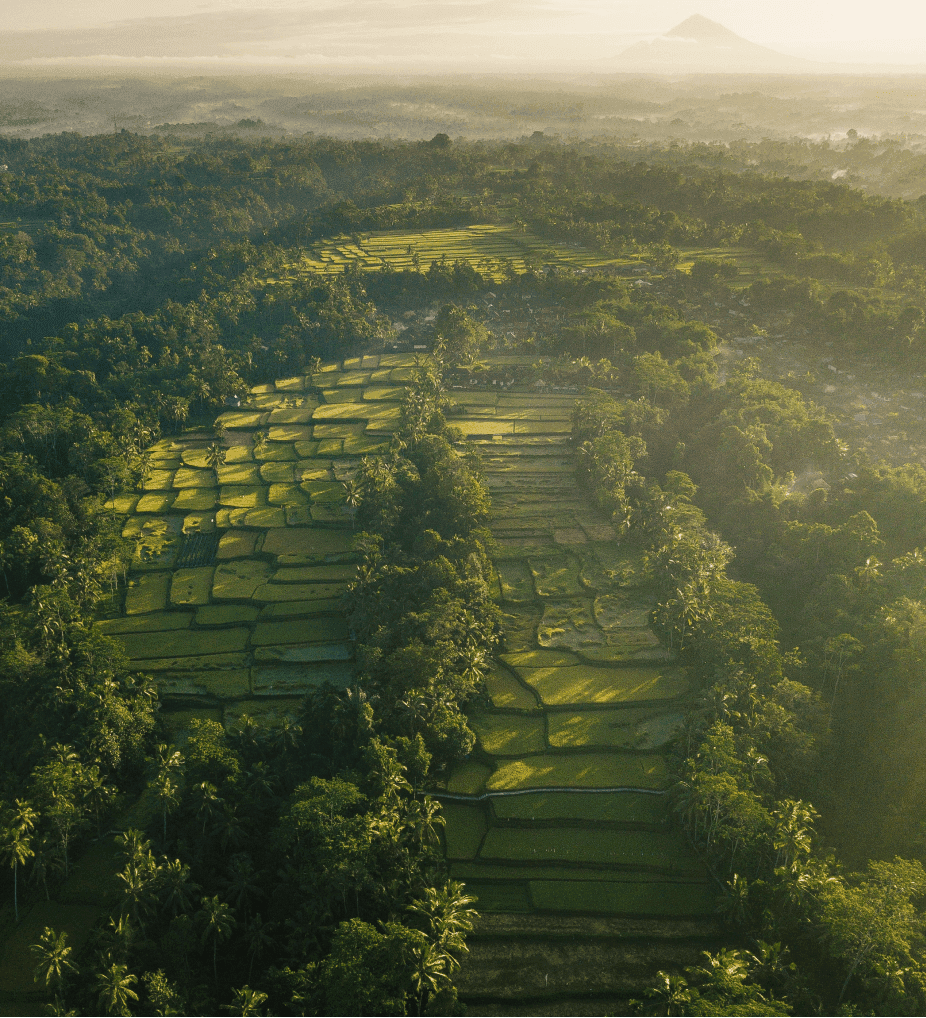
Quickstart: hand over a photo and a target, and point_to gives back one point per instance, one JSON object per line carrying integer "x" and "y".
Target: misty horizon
{"x": 400, "y": 37}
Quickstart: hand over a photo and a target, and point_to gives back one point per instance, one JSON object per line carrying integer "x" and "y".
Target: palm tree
{"x": 474, "y": 664}
{"x": 243, "y": 885}
{"x": 133, "y": 844}
{"x": 446, "y": 918}
{"x": 725, "y": 971}
{"x": 209, "y": 802}
{"x": 229, "y": 827}
{"x": 260, "y": 937}
{"x": 168, "y": 795}
{"x": 47, "y": 857}
{"x": 429, "y": 975}
{"x": 425, "y": 818}
{"x": 773, "y": 966}
{"x": 215, "y": 457}
{"x": 179, "y": 411}
{"x": 116, "y": 991}
{"x": 177, "y": 887}
{"x": 671, "y": 992}
{"x": 16, "y": 845}
{"x": 870, "y": 571}
{"x": 218, "y": 921}
{"x": 261, "y": 783}
{"x": 285, "y": 737}
{"x": 97, "y": 794}
{"x": 53, "y": 959}
{"x": 793, "y": 832}
{"x": 144, "y": 469}
{"x": 259, "y": 443}
{"x": 120, "y": 934}
{"x": 248, "y": 1001}
{"x": 139, "y": 885}
{"x": 735, "y": 904}
{"x": 352, "y": 499}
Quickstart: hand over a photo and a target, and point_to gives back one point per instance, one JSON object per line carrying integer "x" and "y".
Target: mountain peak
{"x": 701, "y": 46}
{"x": 703, "y": 30}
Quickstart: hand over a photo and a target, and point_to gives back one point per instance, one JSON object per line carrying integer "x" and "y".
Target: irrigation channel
{"x": 581, "y": 895}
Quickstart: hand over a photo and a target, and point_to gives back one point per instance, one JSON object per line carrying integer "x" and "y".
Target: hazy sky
{"x": 481, "y": 33}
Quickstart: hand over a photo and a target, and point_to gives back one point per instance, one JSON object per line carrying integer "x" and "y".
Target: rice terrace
{"x": 462, "y": 539}
{"x": 581, "y": 701}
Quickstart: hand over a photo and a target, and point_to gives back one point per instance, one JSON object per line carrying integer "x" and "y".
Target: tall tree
{"x": 16, "y": 836}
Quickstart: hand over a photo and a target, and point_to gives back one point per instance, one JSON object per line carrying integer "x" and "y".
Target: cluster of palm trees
{"x": 730, "y": 981}
{"x": 66, "y": 794}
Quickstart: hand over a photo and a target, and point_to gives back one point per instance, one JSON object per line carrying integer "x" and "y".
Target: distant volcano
{"x": 701, "y": 46}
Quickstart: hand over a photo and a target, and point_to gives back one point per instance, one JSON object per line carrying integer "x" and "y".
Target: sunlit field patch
{"x": 509, "y": 735}
{"x": 225, "y": 683}
{"x": 488, "y": 248}
{"x": 147, "y": 593}
{"x": 299, "y": 631}
{"x": 467, "y": 870}
{"x": 237, "y": 544}
{"x": 627, "y": 729}
{"x": 197, "y": 663}
{"x": 569, "y": 624}
{"x": 580, "y": 770}
{"x": 288, "y": 679}
{"x": 556, "y": 576}
{"x": 302, "y": 609}
{"x": 155, "y": 502}
{"x": 191, "y": 586}
{"x": 157, "y": 540}
{"x": 224, "y": 615}
{"x": 469, "y": 778}
{"x": 155, "y": 622}
{"x": 500, "y": 896}
{"x": 517, "y": 582}
{"x": 506, "y": 691}
{"x": 589, "y": 684}
{"x": 239, "y": 579}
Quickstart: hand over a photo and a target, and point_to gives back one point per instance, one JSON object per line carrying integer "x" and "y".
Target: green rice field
{"x": 581, "y": 696}
{"x": 568, "y": 812}
{"x": 490, "y": 248}
{"x": 486, "y": 247}
{"x": 258, "y": 620}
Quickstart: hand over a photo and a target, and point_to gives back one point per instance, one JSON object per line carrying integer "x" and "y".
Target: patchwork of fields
{"x": 233, "y": 605}
{"x": 561, "y": 809}
{"x": 492, "y": 249}
{"x": 487, "y": 247}
{"x": 233, "y": 602}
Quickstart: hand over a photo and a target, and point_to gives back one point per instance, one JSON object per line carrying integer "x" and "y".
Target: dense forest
{"x": 147, "y": 280}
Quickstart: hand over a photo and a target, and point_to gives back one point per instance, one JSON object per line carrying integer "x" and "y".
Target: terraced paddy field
{"x": 233, "y": 602}
{"x": 490, "y": 248}
{"x": 561, "y": 811}
{"x": 559, "y": 817}
{"x": 486, "y": 247}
